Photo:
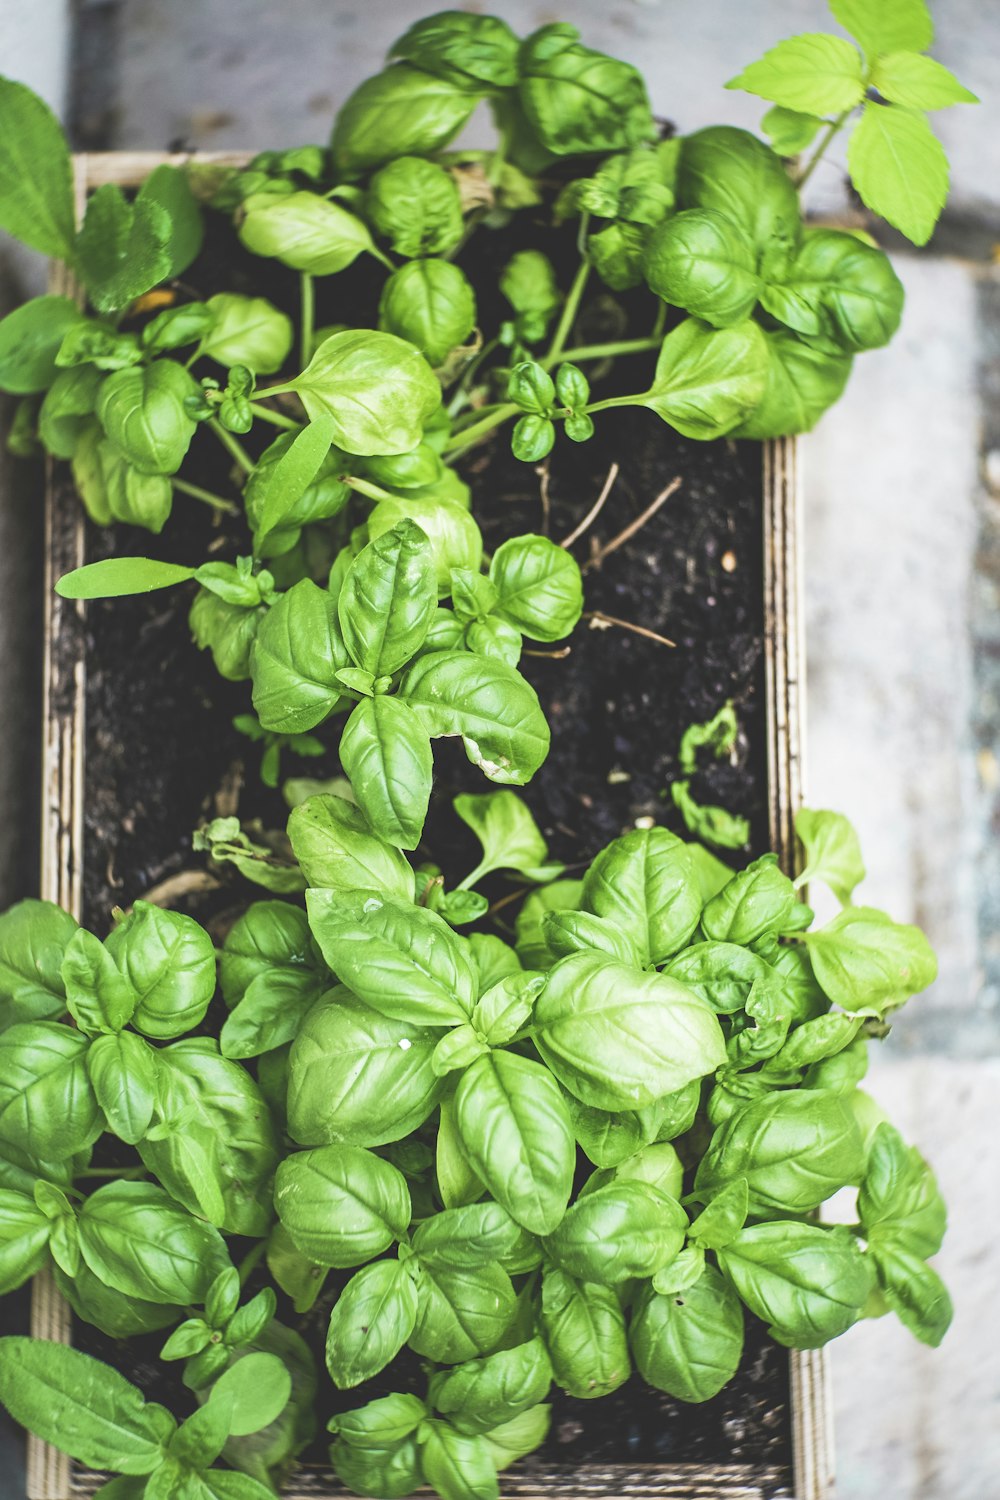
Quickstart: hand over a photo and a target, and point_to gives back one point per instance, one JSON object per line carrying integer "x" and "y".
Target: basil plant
{"x": 542, "y": 1163}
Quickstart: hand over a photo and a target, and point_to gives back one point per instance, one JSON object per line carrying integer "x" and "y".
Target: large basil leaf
{"x": 372, "y": 1320}
{"x": 24, "y": 1239}
{"x": 359, "y": 1077}
{"x": 136, "y": 1239}
{"x": 169, "y": 962}
{"x": 143, "y": 412}
{"x": 618, "y": 1038}
{"x": 296, "y": 657}
{"x": 628, "y": 1229}
{"x": 338, "y": 850}
{"x": 390, "y": 1471}
{"x": 469, "y": 1236}
{"x": 401, "y": 112}
{"x": 723, "y": 974}
{"x": 295, "y": 480}
{"x": 606, "y": 1138}
{"x": 98, "y": 996}
{"x": 341, "y": 1204}
{"x": 488, "y": 703}
{"x": 577, "y": 100}
{"x": 457, "y": 1465}
{"x": 304, "y": 231}
{"x": 246, "y": 331}
{"x": 867, "y": 962}
{"x": 838, "y": 288}
{"x": 708, "y": 380}
{"x": 416, "y": 205}
{"x": 81, "y": 1406}
{"x": 645, "y": 885}
{"x": 810, "y": 1284}
{"x": 472, "y": 51}
{"x": 386, "y": 752}
{"x": 33, "y": 939}
{"x": 486, "y": 1393}
{"x": 36, "y": 174}
{"x": 463, "y": 1311}
{"x": 899, "y": 1198}
{"x": 378, "y": 389}
{"x": 515, "y": 1128}
{"x": 539, "y": 588}
{"x": 519, "y": 1437}
{"x": 760, "y": 900}
{"x": 47, "y": 1105}
{"x": 913, "y": 1290}
{"x": 30, "y": 337}
{"x": 795, "y": 1149}
{"x": 584, "y": 1330}
{"x": 212, "y": 1113}
{"x": 730, "y": 170}
{"x": 270, "y": 1013}
{"x": 455, "y": 538}
{"x": 701, "y": 260}
{"x": 270, "y": 935}
{"x": 114, "y": 1313}
{"x": 581, "y": 932}
{"x": 123, "y": 1070}
{"x": 268, "y": 1452}
{"x": 689, "y": 1344}
{"x": 387, "y": 600}
{"x": 400, "y": 959}
{"x": 430, "y": 304}
{"x": 803, "y": 380}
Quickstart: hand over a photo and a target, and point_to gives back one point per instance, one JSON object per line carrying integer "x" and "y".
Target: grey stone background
{"x": 902, "y": 578}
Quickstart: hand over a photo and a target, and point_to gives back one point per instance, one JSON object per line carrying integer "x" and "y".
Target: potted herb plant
{"x": 424, "y": 1157}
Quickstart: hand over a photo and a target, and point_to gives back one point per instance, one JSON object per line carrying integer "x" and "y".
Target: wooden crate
{"x": 51, "y": 1475}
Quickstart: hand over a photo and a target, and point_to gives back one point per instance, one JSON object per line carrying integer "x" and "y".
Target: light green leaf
{"x": 789, "y": 130}
{"x": 295, "y": 659}
{"x": 116, "y": 577}
{"x": 139, "y": 1241}
{"x": 886, "y": 25}
{"x": 371, "y": 1321}
{"x": 689, "y": 1343}
{"x": 33, "y": 939}
{"x": 485, "y": 701}
{"x": 255, "y": 1389}
{"x": 387, "y": 600}
{"x": 627, "y": 1230}
{"x": 899, "y": 168}
{"x": 810, "y": 1284}
{"x": 169, "y": 961}
{"x": 644, "y": 883}
{"x": 279, "y": 486}
{"x": 338, "y": 850}
{"x": 866, "y": 962}
{"x": 814, "y": 73}
{"x": 30, "y": 337}
{"x": 386, "y": 752}
{"x": 832, "y": 850}
{"x": 914, "y": 1291}
{"x": 36, "y": 177}
{"x": 918, "y": 82}
{"x": 584, "y": 1330}
{"x": 510, "y": 837}
{"x": 342, "y": 1205}
{"x": 123, "y": 1073}
{"x": 98, "y": 996}
{"x": 707, "y": 379}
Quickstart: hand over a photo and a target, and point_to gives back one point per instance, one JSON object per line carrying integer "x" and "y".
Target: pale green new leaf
{"x": 815, "y": 73}
{"x": 899, "y": 167}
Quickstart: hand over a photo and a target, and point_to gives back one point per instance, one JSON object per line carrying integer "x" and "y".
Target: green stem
{"x": 126, "y": 1174}
{"x": 603, "y": 351}
{"x": 235, "y": 449}
{"x": 288, "y": 424}
{"x": 307, "y": 303}
{"x": 483, "y": 868}
{"x": 570, "y": 309}
{"x": 365, "y": 487}
{"x": 462, "y": 394}
{"x": 206, "y": 496}
{"x": 251, "y": 1261}
{"x": 480, "y": 429}
{"x": 818, "y": 154}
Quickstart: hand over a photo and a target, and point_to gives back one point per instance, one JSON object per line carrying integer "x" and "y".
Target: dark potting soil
{"x": 162, "y": 755}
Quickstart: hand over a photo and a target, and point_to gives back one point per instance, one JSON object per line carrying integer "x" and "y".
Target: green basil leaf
{"x": 255, "y": 1390}
{"x": 81, "y": 1406}
{"x": 682, "y": 1272}
{"x": 457, "y": 1465}
{"x": 47, "y": 1106}
{"x": 628, "y": 1229}
{"x": 618, "y": 1038}
{"x": 296, "y": 480}
{"x": 453, "y": 534}
{"x": 270, "y": 1013}
{"x": 515, "y": 1128}
{"x": 33, "y": 940}
{"x": 899, "y": 1199}
{"x": 341, "y": 1204}
{"x": 390, "y": 1472}
{"x": 430, "y": 304}
{"x": 143, "y": 412}
{"x": 510, "y": 837}
{"x": 305, "y": 231}
{"x": 199, "y": 1441}
{"x": 388, "y": 599}
{"x": 809, "y": 1043}
{"x": 759, "y": 901}
{"x": 371, "y": 1321}
{"x": 486, "y": 1393}
{"x": 506, "y": 1007}
{"x": 708, "y": 380}
{"x": 898, "y": 166}
{"x": 895, "y": 25}
{"x": 656, "y": 1164}
{"x": 494, "y": 959}
{"x": 457, "y": 1182}
{"x": 123, "y": 1072}
{"x": 810, "y": 1284}
{"x": 724, "y": 1217}
{"x": 115, "y": 1314}
{"x": 98, "y": 996}
{"x": 457, "y": 1049}
{"x": 30, "y": 338}
{"x": 794, "y": 1149}
{"x": 122, "y": 248}
{"x": 789, "y": 130}
{"x": 488, "y": 703}
{"x": 832, "y": 851}
{"x": 338, "y": 850}
{"x": 814, "y": 73}
{"x": 401, "y": 960}
{"x": 867, "y": 962}
{"x": 36, "y": 175}
{"x": 529, "y": 283}
{"x": 416, "y": 205}
{"x": 803, "y": 381}
{"x": 689, "y": 1344}
{"x": 359, "y": 1077}
{"x": 246, "y": 331}
{"x": 838, "y": 289}
{"x": 472, "y": 51}
{"x": 644, "y": 884}
{"x": 914, "y": 1291}
{"x": 167, "y": 188}
{"x": 518, "y": 1437}
{"x": 386, "y": 752}
{"x": 378, "y": 389}
{"x": 270, "y": 935}
{"x": 723, "y": 974}
{"x": 401, "y": 112}
{"x": 295, "y": 659}
{"x": 169, "y": 961}
{"x": 463, "y": 1311}
{"x": 584, "y": 1330}
{"x": 580, "y": 101}
{"x": 732, "y": 171}
{"x": 539, "y": 589}
{"x": 136, "y": 1239}
{"x": 206, "y": 1101}
{"x": 918, "y": 82}
{"x": 606, "y": 1138}
{"x": 24, "y": 1239}
{"x": 701, "y": 260}
{"x": 468, "y": 1236}
{"x": 568, "y": 932}
{"x": 68, "y": 428}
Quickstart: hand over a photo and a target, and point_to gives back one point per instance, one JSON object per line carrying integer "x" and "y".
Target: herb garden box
{"x": 799, "y": 1458}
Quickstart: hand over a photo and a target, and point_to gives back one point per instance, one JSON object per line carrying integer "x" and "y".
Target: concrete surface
{"x": 902, "y": 580}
